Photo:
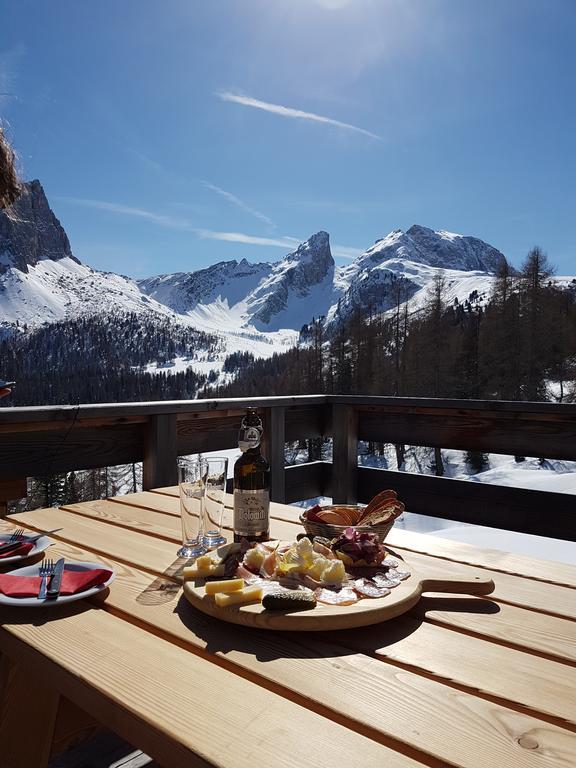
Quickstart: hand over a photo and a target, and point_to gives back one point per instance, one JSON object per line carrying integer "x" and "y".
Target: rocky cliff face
{"x": 183, "y": 291}
{"x": 309, "y": 265}
{"x": 31, "y": 232}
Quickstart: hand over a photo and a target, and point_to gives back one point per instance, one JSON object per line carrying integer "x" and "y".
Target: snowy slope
{"x": 254, "y": 307}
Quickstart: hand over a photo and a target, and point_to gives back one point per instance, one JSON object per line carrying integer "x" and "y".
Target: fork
{"x": 46, "y": 571}
{"x": 17, "y": 535}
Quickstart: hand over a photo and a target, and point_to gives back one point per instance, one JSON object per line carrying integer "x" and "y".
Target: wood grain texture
{"x": 549, "y": 434}
{"x": 507, "y": 624}
{"x": 160, "y": 451}
{"x": 20, "y": 700}
{"x": 44, "y": 452}
{"x": 344, "y": 454}
{"x": 176, "y": 711}
{"x": 135, "y": 518}
{"x": 507, "y": 674}
{"x": 290, "y": 664}
{"x": 497, "y": 560}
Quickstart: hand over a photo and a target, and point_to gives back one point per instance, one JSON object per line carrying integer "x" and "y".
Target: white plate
{"x": 42, "y": 544}
{"x": 71, "y": 565}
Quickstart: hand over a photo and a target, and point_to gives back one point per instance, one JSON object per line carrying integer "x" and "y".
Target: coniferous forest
{"x": 517, "y": 344}
{"x": 100, "y": 359}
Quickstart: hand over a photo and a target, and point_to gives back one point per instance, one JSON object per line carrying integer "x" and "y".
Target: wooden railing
{"x": 41, "y": 441}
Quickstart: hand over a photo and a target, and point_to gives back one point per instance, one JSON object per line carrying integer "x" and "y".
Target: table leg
{"x": 27, "y": 716}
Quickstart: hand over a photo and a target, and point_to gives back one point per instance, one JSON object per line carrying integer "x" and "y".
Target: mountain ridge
{"x": 258, "y": 307}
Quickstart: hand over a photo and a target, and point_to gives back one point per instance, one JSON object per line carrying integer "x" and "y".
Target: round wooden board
{"x": 329, "y": 617}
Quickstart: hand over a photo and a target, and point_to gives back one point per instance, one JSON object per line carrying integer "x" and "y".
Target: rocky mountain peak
{"x": 448, "y": 250}
{"x": 30, "y": 232}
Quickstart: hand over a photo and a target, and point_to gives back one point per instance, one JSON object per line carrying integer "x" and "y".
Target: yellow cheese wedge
{"x": 193, "y": 572}
{"x": 246, "y": 595}
{"x": 204, "y": 561}
{"x": 230, "y": 585}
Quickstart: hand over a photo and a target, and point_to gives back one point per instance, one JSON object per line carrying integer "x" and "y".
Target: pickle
{"x": 289, "y": 601}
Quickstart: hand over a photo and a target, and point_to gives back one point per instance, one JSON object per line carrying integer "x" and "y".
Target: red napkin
{"x": 23, "y": 549}
{"x": 72, "y": 582}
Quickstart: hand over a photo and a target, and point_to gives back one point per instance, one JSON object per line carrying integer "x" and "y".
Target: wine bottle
{"x": 251, "y": 483}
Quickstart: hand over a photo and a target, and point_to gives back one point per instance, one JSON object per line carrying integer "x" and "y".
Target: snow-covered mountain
{"x": 306, "y": 283}
{"x": 255, "y": 307}
{"x": 41, "y": 281}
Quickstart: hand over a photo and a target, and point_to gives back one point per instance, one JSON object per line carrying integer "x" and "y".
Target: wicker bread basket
{"x": 330, "y": 531}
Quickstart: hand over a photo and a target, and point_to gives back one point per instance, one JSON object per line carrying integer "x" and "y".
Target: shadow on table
{"x": 36, "y": 617}
{"x": 268, "y": 645}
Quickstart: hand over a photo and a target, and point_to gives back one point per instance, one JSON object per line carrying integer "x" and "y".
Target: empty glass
{"x": 191, "y": 484}
{"x": 215, "y": 476}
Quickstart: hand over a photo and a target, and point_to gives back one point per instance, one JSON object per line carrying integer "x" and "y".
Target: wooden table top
{"x": 461, "y": 681}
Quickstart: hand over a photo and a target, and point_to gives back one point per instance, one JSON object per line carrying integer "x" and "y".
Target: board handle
{"x": 469, "y": 585}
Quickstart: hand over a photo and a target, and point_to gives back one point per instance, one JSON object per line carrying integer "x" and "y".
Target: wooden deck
{"x": 474, "y": 682}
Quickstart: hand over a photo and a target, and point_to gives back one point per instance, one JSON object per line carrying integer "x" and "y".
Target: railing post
{"x": 344, "y": 454}
{"x": 160, "y": 452}
{"x": 10, "y": 490}
{"x": 275, "y": 437}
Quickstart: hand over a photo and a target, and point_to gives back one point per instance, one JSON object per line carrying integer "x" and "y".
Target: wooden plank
{"x": 438, "y": 404}
{"x": 177, "y": 711}
{"x": 13, "y": 489}
{"x": 306, "y": 421}
{"x": 306, "y": 481}
{"x": 145, "y": 552}
{"x": 275, "y": 453}
{"x": 449, "y": 656}
{"x": 139, "y": 519}
{"x": 541, "y": 685}
{"x": 508, "y": 625}
{"x": 513, "y": 509}
{"x": 24, "y": 414}
{"x": 38, "y": 453}
{"x": 521, "y": 434}
{"x": 27, "y": 716}
{"x": 166, "y": 503}
{"x": 480, "y": 557}
{"x": 514, "y": 590}
{"x": 344, "y": 454}
{"x": 160, "y": 454}
{"x": 198, "y": 434}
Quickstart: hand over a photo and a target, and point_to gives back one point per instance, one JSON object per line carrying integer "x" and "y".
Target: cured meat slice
{"x": 343, "y": 596}
{"x": 368, "y": 588}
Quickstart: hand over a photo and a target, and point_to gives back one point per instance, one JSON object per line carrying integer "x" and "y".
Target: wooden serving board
{"x": 328, "y": 617}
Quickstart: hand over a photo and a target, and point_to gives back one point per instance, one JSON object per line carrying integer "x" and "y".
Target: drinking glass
{"x": 215, "y": 476}
{"x": 191, "y": 484}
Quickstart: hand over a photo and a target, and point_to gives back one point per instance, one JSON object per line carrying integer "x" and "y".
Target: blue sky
{"x": 170, "y": 135}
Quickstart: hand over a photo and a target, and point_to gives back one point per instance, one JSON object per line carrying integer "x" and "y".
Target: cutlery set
{"x": 50, "y": 572}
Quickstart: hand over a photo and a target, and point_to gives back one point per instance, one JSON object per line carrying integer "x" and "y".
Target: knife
{"x": 56, "y": 580}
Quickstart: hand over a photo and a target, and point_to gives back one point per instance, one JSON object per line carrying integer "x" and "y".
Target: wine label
{"x": 249, "y": 437}
{"x": 251, "y": 512}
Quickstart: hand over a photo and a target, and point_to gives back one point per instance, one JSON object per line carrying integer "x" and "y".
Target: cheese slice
{"x": 229, "y": 585}
{"x": 193, "y": 572}
{"x": 247, "y": 595}
{"x": 204, "y": 561}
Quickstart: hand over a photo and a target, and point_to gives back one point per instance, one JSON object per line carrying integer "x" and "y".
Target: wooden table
{"x": 463, "y": 681}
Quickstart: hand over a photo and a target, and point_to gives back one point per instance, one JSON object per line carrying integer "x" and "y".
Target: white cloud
{"x": 240, "y": 237}
{"x": 279, "y": 109}
{"x": 240, "y": 204}
{"x": 174, "y": 222}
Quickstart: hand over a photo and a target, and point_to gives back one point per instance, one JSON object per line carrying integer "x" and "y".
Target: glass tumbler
{"x": 215, "y": 476}
{"x": 191, "y": 484}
